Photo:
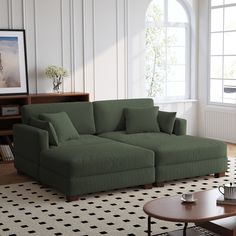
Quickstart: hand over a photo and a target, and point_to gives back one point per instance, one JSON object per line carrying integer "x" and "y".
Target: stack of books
{"x": 6, "y": 153}
{"x": 222, "y": 201}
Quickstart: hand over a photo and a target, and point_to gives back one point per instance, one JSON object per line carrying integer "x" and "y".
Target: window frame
{"x": 188, "y": 51}
{"x": 209, "y": 102}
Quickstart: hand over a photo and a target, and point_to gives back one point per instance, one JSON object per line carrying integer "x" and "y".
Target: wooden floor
{"x": 231, "y": 150}
{"x": 8, "y": 174}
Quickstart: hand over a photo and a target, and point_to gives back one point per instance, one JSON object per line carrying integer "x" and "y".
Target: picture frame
{"x": 13, "y": 62}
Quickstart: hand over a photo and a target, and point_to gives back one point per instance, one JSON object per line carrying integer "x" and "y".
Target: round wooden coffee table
{"x": 203, "y": 212}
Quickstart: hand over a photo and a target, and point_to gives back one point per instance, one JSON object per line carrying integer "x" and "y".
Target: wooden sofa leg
{"x": 45, "y": 185}
{"x": 72, "y": 198}
{"x": 159, "y": 184}
{"x": 147, "y": 186}
{"x": 218, "y": 175}
{"x": 19, "y": 172}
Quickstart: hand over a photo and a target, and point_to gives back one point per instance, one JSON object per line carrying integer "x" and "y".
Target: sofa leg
{"x": 159, "y": 184}
{"x": 218, "y": 175}
{"x": 147, "y": 186}
{"x": 45, "y": 185}
{"x": 72, "y": 198}
{"x": 19, "y": 172}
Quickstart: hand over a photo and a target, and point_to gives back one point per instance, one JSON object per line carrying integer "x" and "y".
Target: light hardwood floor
{"x": 8, "y": 174}
{"x": 231, "y": 150}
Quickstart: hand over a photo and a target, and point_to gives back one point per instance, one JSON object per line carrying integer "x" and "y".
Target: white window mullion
{"x": 165, "y": 25}
{"x": 223, "y": 56}
{"x": 165, "y": 12}
{"x": 187, "y": 61}
{"x": 219, "y": 93}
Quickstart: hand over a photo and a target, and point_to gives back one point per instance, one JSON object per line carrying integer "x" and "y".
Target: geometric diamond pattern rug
{"x": 30, "y": 209}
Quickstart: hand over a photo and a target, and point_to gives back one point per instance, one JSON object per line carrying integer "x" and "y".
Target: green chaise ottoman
{"x": 178, "y": 157}
{"x": 92, "y": 164}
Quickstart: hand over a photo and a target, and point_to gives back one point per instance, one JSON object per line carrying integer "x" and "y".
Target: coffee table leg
{"x": 185, "y": 228}
{"x": 149, "y": 226}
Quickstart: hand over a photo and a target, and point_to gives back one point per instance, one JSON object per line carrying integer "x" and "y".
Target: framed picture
{"x": 13, "y": 62}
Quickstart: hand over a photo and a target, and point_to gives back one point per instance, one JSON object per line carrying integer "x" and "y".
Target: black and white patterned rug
{"x": 30, "y": 209}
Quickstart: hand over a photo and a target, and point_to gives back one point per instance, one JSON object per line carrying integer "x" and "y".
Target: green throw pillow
{"x": 140, "y": 120}
{"x": 62, "y": 124}
{"x": 45, "y": 125}
{"x": 166, "y": 121}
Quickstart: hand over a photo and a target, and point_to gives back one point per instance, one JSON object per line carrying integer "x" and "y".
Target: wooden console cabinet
{"x": 7, "y": 122}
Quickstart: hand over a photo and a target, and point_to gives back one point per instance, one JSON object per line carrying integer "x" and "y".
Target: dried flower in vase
{"x": 57, "y": 74}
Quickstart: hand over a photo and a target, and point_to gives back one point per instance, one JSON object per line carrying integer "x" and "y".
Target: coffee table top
{"x": 204, "y": 209}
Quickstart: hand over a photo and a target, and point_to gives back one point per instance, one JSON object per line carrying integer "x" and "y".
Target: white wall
{"x": 136, "y": 49}
{"x": 100, "y": 42}
{"x": 85, "y": 36}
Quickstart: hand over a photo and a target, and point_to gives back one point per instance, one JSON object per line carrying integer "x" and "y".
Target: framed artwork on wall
{"x": 13, "y": 62}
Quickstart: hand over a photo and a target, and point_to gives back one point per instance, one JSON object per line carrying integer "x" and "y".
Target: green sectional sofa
{"x": 84, "y": 147}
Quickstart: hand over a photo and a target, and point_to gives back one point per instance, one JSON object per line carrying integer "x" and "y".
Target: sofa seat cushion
{"x": 91, "y": 155}
{"x": 172, "y": 149}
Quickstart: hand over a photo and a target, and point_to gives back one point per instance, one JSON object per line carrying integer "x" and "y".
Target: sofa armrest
{"x": 180, "y": 126}
{"x": 29, "y": 142}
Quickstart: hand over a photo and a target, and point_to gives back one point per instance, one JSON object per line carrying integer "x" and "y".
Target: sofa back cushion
{"x": 166, "y": 121}
{"x": 109, "y": 115}
{"x": 80, "y": 114}
{"x": 141, "y": 120}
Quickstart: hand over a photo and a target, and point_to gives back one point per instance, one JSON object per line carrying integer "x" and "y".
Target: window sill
{"x": 177, "y": 101}
{"x": 221, "y": 107}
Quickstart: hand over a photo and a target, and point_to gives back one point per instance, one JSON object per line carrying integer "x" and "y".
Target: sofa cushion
{"x": 62, "y": 124}
{"x": 140, "y": 120}
{"x": 80, "y": 113}
{"x": 45, "y": 125}
{"x": 172, "y": 149}
{"x": 91, "y": 155}
{"x": 180, "y": 126}
{"x": 166, "y": 121}
{"x": 109, "y": 115}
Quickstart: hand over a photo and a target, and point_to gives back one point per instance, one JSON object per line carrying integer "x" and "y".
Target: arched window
{"x": 167, "y": 63}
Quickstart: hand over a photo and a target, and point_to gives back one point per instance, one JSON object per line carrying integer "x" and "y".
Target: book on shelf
{"x": 222, "y": 201}
{"x": 6, "y": 153}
